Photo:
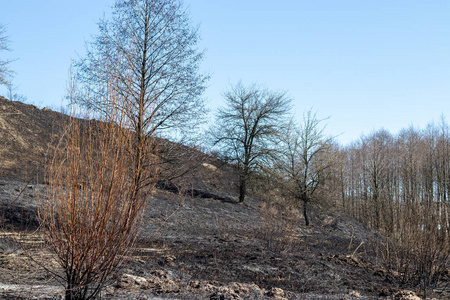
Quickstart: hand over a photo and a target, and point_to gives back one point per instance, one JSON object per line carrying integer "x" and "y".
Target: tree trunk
{"x": 74, "y": 292}
{"x": 305, "y": 212}
{"x": 242, "y": 188}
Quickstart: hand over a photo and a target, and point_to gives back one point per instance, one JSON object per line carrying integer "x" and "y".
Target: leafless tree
{"x": 399, "y": 186}
{"x": 305, "y": 162}
{"x": 246, "y": 128}
{"x": 99, "y": 177}
{"x": 150, "y": 50}
{"x": 5, "y": 72}
{"x": 378, "y": 147}
{"x": 13, "y": 96}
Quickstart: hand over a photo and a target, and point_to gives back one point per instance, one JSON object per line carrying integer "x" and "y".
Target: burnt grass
{"x": 196, "y": 241}
{"x": 220, "y": 243}
{"x": 204, "y": 248}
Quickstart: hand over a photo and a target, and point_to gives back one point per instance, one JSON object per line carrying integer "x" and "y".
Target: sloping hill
{"x": 25, "y": 132}
{"x": 196, "y": 242}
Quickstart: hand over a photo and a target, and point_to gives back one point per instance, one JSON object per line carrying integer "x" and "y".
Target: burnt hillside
{"x": 25, "y": 133}
{"x": 195, "y": 241}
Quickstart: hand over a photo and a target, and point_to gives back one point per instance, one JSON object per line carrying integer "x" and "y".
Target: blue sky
{"x": 365, "y": 64}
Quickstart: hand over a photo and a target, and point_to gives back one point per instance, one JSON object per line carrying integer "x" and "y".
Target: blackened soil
{"x": 200, "y": 248}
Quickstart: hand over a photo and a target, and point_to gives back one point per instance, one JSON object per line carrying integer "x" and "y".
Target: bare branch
{"x": 247, "y": 127}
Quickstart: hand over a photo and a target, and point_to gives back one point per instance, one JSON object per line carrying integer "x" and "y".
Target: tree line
{"x": 385, "y": 178}
{"x": 399, "y": 185}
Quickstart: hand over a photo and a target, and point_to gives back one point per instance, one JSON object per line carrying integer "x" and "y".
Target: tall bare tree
{"x": 247, "y": 126}
{"x": 399, "y": 185}
{"x": 378, "y": 147}
{"x": 5, "y": 72}
{"x": 305, "y": 161}
{"x": 150, "y": 50}
{"x": 100, "y": 175}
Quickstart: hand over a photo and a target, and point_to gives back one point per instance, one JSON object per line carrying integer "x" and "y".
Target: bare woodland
{"x": 399, "y": 186}
{"x": 139, "y": 90}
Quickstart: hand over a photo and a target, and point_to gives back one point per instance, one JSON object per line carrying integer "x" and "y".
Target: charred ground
{"x": 196, "y": 241}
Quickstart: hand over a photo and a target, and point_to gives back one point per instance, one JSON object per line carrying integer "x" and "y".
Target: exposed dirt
{"x": 196, "y": 241}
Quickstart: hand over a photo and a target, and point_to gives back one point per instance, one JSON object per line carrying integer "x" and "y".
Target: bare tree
{"x": 399, "y": 186}
{"x": 305, "y": 160}
{"x": 247, "y": 126}
{"x": 5, "y": 72}
{"x": 379, "y": 149}
{"x": 100, "y": 176}
{"x": 149, "y": 50}
{"x": 13, "y": 96}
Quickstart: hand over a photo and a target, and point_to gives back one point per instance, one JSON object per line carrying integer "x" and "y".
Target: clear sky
{"x": 366, "y": 64}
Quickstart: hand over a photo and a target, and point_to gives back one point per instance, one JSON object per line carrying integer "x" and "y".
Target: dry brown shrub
{"x": 419, "y": 253}
{"x": 278, "y": 226}
{"x": 99, "y": 178}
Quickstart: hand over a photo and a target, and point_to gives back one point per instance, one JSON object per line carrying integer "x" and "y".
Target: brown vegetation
{"x": 206, "y": 245}
{"x": 94, "y": 204}
{"x": 27, "y": 130}
{"x": 380, "y": 207}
